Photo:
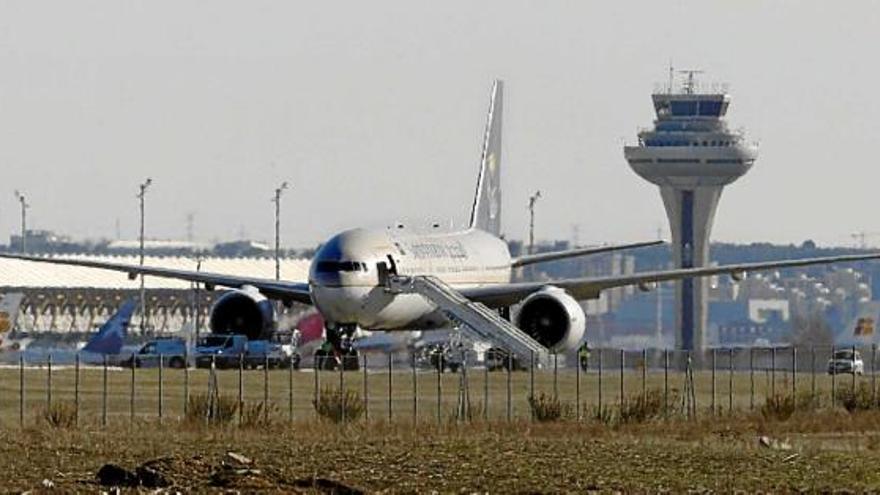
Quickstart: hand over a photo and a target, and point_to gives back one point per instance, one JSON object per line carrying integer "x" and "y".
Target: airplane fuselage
{"x": 344, "y": 278}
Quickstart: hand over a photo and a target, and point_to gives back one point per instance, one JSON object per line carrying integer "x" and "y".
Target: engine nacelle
{"x": 243, "y": 311}
{"x": 553, "y": 318}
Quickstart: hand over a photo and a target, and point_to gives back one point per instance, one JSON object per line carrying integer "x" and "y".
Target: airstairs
{"x": 476, "y": 320}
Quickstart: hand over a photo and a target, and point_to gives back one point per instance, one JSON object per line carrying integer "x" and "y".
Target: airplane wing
{"x": 571, "y": 253}
{"x": 275, "y": 289}
{"x": 589, "y": 288}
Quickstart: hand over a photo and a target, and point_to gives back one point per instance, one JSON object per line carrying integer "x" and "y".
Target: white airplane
{"x": 350, "y": 274}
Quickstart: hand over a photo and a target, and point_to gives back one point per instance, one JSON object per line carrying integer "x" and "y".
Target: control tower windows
{"x": 710, "y": 108}
{"x": 683, "y": 108}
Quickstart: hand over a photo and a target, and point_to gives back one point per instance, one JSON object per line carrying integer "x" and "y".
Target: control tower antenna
{"x": 690, "y": 84}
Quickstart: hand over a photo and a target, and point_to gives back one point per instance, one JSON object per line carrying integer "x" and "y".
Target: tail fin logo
{"x": 493, "y": 190}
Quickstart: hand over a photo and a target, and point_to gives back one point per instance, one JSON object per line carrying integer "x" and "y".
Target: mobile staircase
{"x": 475, "y": 319}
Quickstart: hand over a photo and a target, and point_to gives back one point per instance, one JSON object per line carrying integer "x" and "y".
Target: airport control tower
{"x": 691, "y": 154}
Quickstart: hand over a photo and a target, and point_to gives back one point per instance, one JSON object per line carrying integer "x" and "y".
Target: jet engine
{"x": 243, "y": 311}
{"x": 553, "y": 318}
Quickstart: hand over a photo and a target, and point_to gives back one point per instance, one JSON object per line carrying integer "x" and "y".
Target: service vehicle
{"x": 846, "y": 361}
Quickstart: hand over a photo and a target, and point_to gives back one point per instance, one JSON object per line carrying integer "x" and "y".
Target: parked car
{"x": 264, "y": 352}
{"x": 497, "y": 359}
{"x": 173, "y": 352}
{"x": 438, "y": 355}
{"x": 846, "y": 361}
{"x": 224, "y": 350}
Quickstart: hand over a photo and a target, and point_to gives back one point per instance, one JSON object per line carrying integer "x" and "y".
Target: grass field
{"x": 824, "y": 448}
{"x": 292, "y": 393}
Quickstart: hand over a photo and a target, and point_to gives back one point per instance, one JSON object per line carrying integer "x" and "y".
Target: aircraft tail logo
{"x": 111, "y": 335}
{"x": 486, "y": 212}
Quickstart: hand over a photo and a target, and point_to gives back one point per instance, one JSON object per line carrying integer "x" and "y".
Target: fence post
{"x": 509, "y": 386}
{"x": 290, "y": 389}
{"x": 622, "y": 365}
{"x": 833, "y": 378}
{"x": 665, "y": 382}
{"x": 714, "y": 367}
{"x": 794, "y": 373}
{"x": 266, "y": 388}
{"x": 316, "y": 367}
{"x": 439, "y": 369}
{"x": 532, "y": 377}
{"x": 485, "y": 390}
{"x": 131, "y": 390}
{"x": 76, "y": 390}
{"x": 751, "y": 378}
{"x": 531, "y": 384}
{"x": 853, "y": 388}
{"x": 873, "y": 378}
{"x": 773, "y": 371}
{"x": 813, "y": 372}
{"x": 104, "y": 395}
{"x": 366, "y": 392}
{"x": 342, "y": 387}
{"x": 21, "y": 390}
{"x": 240, "y": 387}
{"x": 555, "y": 376}
{"x": 644, "y": 376}
{"x": 730, "y": 380}
{"x": 599, "y": 388}
{"x": 390, "y": 386}
{"x": 49, "y": 382}
{"x": 161, "y": 367}
{"x": 185, "y": 381}
{"x": 577, "y": 388}
{"x": 415, "y": 384}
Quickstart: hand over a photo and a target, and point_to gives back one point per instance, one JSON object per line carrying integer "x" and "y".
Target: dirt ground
{"x": 830, "y": 450}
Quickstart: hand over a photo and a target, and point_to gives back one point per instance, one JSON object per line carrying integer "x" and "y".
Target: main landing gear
{"x": 338, "y": 349}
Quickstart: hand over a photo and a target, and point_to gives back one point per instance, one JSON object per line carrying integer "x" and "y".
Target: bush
{"x": 339, "y": 405}
{"x": 547, "y": 408}
{"x": 60, "y": 415}
{"x": 258, "y": 414}
{"x": 639, "y": 408}
{"x": 779, "y": 407}
{"x": 211, "y": 409}
{"x": 856, "y": 400}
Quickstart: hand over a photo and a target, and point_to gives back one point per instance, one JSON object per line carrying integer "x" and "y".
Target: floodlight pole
{"x": 532, "y": 200}
{"x": 197, "y": 297}
{"x": 24, "y": 206}
{"x": 277, "y": 201}
{"x": 143, "y": 192}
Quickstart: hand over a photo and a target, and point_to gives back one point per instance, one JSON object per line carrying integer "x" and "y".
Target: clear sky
{"x": 374, "y": 111}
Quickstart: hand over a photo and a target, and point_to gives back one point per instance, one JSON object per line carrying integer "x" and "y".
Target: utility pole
{"x": 24, "y": 206}
{"x": 197, "y": 298}
{"x": 277, "y": 201}
{"x": 143, "y": 192}
{"x": 532, "y": 200}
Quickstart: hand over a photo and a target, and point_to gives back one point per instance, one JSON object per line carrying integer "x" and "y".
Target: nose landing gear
{"x": 338, "y": 350}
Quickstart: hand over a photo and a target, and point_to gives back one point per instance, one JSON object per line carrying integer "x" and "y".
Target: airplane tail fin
{"x": 9, "y": 306}
{"x": 111, "y": 335}
{"x": 486, "y": 212}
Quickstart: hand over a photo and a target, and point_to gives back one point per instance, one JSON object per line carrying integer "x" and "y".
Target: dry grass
{"x": 717, "y": 454}
{"x": 339, "y": 405}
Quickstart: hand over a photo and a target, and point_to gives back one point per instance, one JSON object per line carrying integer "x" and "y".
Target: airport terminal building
{"x": 76, "y": 299}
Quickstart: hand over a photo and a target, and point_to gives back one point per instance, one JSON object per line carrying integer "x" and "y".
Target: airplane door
{"x": 392, "y": 264}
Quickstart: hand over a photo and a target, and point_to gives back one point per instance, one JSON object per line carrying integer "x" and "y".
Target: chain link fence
{"x": 400, "y": 388}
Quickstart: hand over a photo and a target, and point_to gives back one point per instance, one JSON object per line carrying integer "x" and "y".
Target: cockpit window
{"x": 341, "y": 266}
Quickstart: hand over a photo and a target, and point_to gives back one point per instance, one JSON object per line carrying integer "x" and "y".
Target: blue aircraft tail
{"x": 111, "y": 336}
